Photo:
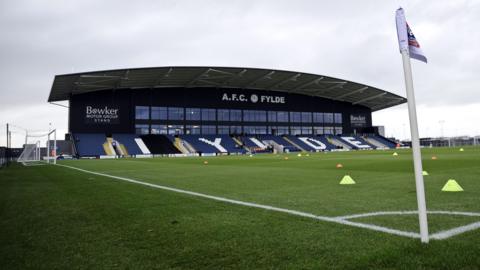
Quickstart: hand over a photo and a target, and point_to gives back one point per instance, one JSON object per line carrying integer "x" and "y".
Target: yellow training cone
{"x": 425, "y": 173}
{"x": 395, "y": 154}
{"x": 347, "y": 180}
{"x": 452, "y": 186}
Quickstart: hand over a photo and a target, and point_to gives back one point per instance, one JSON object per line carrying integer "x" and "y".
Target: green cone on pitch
{"x": 425, "y": 173}
{"x": 452, "y": 186}
{"x": 347, "y": 180}
{"x": 395, "y": 154}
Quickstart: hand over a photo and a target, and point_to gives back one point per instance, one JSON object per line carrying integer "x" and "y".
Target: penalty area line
{"x": 255, "y": 205}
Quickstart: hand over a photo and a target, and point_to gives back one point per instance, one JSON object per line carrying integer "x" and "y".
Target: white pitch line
{"x": 455, "y": 231}
{"x": 385, "y": 213}
{"x": 261, "y": 206}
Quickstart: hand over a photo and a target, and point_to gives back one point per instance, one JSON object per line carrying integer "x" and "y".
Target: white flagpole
{"x": 417, "y": 156}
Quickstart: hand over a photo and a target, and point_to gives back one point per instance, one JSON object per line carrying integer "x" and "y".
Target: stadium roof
{"x": 67, "y": 85}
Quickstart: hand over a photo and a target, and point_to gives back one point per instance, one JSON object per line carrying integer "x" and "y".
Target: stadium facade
{"x": 190, "y": 103}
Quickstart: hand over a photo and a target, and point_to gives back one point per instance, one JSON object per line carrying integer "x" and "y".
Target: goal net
{"x": 39, "y": 149}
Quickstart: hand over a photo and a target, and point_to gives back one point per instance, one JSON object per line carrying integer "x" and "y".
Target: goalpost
{"x": 39, "y": 149}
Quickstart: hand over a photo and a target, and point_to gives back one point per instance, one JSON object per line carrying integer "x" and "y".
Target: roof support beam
{"x": 314, "y": 81}
{"x": 268, "y": 75}
{"x": 336, "y": 85}
{"x": 162, "y": 76}
{"x": 384, "y": 105}
{"x": 203, "y": 74}
{"x": 238, "y": 75}
{"x": 292, "y": 78}
{"x": 359, "y": 90}
{"x": 369, "y": 98}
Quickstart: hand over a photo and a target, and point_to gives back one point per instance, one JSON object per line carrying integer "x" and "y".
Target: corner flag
{"x": 406, "y": 38}
{"x": 409, "y": 48}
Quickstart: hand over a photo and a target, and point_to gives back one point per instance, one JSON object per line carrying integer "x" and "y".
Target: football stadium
{"x": 217, "y": 110}
{"x": 230, "y": 168}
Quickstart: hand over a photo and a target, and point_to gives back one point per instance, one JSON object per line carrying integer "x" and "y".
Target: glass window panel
{"x": 142, "y": 129}
{"x": 158, "y": 129}
{"x": 338, "y": 118}
{"x": 295, "y": 130}
{"x": 328, "y": 118}
{"x": 306, "y": 117}
{"x": 272, "y": 116}
{"x": 223, "y": 115}
{"x": 159, "y": 113}
{"x": 338, "y": 130}
{"x": 192, "y": 129}
{"x": 306, "y": 130}
{"x": 209, "y": 130}
{"x": 318, "y": 117}
{"x": 192, "y": 114}
{"x": 175, "y": 129}
{"x": 236, "y": 115}
{"x": 223, "y": 130}
{"x": 282, "y": 117}
{"x": 208, "y": 115}
{"x": 328, "y": 130}
{"x": 235, "y": 129}
{"x": 142, "y": 112}
{"x": 282, "y": 130}
{"x": 318, "y": 130}
{"x": 295, "y": 117}
{"x": 175, "y": 113}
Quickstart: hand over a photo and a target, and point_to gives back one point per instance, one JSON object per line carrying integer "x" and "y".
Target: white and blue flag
{"x": 406, "y": 38}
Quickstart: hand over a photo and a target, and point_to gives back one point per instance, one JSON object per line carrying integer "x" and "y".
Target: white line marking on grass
{"x": 384, "y": 213}
{"x": 340, "y": 220}
{"x": 455, "y": 231}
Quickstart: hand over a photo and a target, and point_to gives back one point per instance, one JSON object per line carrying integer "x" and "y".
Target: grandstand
{"x": 217, "y": 110}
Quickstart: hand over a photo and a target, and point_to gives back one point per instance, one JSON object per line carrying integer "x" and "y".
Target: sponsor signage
{"x": 253, "y": 98}
{"x": 101, "y": 115}
{"x": 358, "y": 120}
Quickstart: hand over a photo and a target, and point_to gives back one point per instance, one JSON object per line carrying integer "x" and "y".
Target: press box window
{"x": 193, "y": 114}
{"x": 142, "y": 112}
{"x": 208, "y": 115}
{"x": 159, "y": 113}
{"x": 158, "y": 129}
{"x": 338, "y": 118}
{"x": 175, "y": 113}
{"x": 141, "y": 129}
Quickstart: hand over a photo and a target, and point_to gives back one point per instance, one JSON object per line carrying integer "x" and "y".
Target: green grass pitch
{"x": 53, "y": 217}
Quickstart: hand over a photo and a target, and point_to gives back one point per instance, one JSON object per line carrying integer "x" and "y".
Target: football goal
{"x": 39, "y": 149}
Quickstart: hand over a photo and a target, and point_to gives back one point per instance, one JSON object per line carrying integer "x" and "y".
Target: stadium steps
{"x": 389, "y": 143}
{"x": 362, "y": 144}
{"x": 338, "y": 143}
{"x": 179, "y": 145}
{"x": 376, "y": 143}
{"x": 129, "y": 144}
{"x": 108, "y": 147}
{"x": 281, "y": 142}
{"x": 294, "y": 144}
{"x": 189, "y": 147}
{"x": 240, "y": 143}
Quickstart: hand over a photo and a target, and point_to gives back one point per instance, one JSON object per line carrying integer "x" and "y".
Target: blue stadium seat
{"x": 312, "y": 143}
{"x": 89, "y": 144}
{"x": 388, "y": 143}
{"x": 356, "y": 142}
{"x": 213, "y": 143}
{"x": 128, "y": 140}
{"x": 281, "y": 141}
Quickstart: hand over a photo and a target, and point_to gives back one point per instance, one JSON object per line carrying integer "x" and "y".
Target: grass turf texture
{"x": 54, "y": 217}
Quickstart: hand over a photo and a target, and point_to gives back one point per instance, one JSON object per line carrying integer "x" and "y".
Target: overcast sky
{"x": 354, "y": 40}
